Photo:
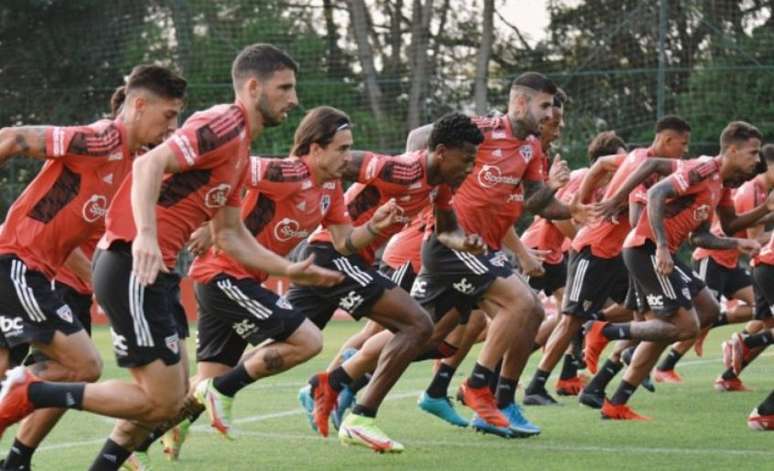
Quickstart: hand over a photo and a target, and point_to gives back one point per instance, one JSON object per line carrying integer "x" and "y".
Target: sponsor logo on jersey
{"x": 244, "y": 328}
{"x": 351, "y": 301}
{"x": 217, "y": 196}
{"x": 11, "y": 326}
{"x": 119, "y": 344}
{"x": 288, "y": 229}
{"x": 95, "y": 208}
{"x": 325, "y": 203}
{"x": 329, "y": 185}
{"x": 419, "y": 289}
{"x": 490, "y": 176}
{"x": 515, "y": 198}
{"x": 655, "y": 301}
{"x": 464, "y": 286}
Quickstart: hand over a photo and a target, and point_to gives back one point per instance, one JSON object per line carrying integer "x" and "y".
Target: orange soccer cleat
{"x": 667, "y": 376}
{"x": 595, "y": 343}
{"x": 482, "y": 401}
{"x": 324, "y": 402}
{"x": 620, "y": 412}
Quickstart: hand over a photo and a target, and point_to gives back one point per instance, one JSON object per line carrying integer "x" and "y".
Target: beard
{"x": 270, "y": 119}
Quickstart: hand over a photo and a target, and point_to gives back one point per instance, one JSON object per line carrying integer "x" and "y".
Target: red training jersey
{"x": 491, "y": 199}
{"x": 68, "y": 277}
{"x": 406, "y": 246}
{"x": 66, "y": 202}
{"x": 282, "y": 207}
{"x": 212, "y": 150}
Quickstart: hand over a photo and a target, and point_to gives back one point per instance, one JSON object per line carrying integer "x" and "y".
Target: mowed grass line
{"x": 694, "y": 427}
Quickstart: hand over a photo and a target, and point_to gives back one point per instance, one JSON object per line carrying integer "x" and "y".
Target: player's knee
{"x": 91, "y": 369}
{"x": 421, "y": 326}
{"x": 162, "y": 409}
{"x": 688, "y": 330}
{"x": 313, "y": 344}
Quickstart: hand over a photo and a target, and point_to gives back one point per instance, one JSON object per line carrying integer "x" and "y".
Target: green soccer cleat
{"x": 137, "y": 461}
{"x": 173, "y": 439}
{"x": 362, "y": 431}
{"x": 218, "y": 407}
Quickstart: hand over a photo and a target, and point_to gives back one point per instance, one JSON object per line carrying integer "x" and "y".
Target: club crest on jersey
{"x": 701, "y": 213}
{"x": 173, "y": 343}
{"x": 217, "y": 197}
{"x": 95, "y": 207}
{"x": 288, "y": 229}
{"x": 433, "y": 194}
{"x": 526, "y": 152}
{"x": 325, "y": 204}
{"x": 65, "y": 313}
{"x": 490, "y": 176}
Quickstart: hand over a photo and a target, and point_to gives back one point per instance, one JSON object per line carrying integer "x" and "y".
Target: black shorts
{"x": 234, "y": 313}
{"x": 143, "y": 320}
{"x": 554, "y": 278}
{"x": 403, "y": 276}
{"x": 721, "y": 281}
{"x": 362, "y": 287}
{"x": 31, "y": 311}
{"x": 179, "y": 313}
{"x": 763, "y": 285}
{"x": 450, "y": 279}
{"x": 591, "y": 281}
{"x": 661, "y": 294}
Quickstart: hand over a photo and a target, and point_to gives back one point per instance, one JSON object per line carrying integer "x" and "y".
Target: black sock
{"x": 728, "y": 375}
{"x": 233, "y": 381}
{"x": 767, "y": 406}
{"x": 480, "y": 377}
{"x": 62, "y": 395}
{"x": 569, "y": 367}
{"x": 598, "y": 316}
{"x": 669, "y": 361}
{"x": 506, "y": 392}
{"x": 339, "y": 378}
{"x": 538, "y": 383}
{"x": 721, "y": 320}
{"x": 624, "y": 392}
{"x": 111, "y": 457}
{"x": 154, "y": 435}
{"x": 19, "y": 456}
{"x": 439, "y": 386}
{"x": 364, "y": 411}
{"x": 617, "y": 331}
{"x": 495, "y": 375}
{"x": 358, "y": 384}
{"x": 759, "y": 340}
{"x": 603, "y": 377}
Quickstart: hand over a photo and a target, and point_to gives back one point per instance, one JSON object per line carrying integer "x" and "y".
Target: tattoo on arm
{"x": 657, "y": 197}
{"x": 539, "y": 199}
{"x": 445, "y": 221}
{"x": 352, "y": 170}
{"x": 702, "y": 237}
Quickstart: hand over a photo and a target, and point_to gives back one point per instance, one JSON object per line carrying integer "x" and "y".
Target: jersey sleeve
{"x": 692, "y": 179}
{"x": 744, "y": 199}
{"x": 235, "y": 197}
{"x": 371, "y": 167}
{"x": 337, "y": 213}
{"x": 207, "y": 137}
{"x": 84, "y": 144}
{"x": 534, "y": 156}
{"x": 277, "y": 178}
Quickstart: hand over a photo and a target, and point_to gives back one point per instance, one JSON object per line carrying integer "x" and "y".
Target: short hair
{"x": 534, "y": 81}
{"x": 319, "y": 126}
{"x": 454, "y": 130}
{"x": 605, "y": 143}
{"x": 672, "y": 123}
{"x": 738, "y": 132}
{"x": 156, "y": 79}
{"x": 260, "y": 61}
{"x": 560, "y": 98}
{"x": 767, "y": 153}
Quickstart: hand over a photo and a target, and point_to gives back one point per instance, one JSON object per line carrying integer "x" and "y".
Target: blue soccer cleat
{"x": 481, "y": 425}
{"x": 519, "y": 426}
{"x": 307, "y": 403}
{"x": 442, "y": 408}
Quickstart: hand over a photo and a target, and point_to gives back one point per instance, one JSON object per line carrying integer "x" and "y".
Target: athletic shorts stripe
{"x": 361, "y": 277}
{"x": 666, "y": 284}
{"x": 683, "y": 275}
{"x": 471, "y": 262}
{"x": 400, "y": 273}
{"x": 24, "y": 292}
{"x": 136, "y": 299}
{"x": 703, "y": 264}
{"x": 238, "y": 296}
{"x": 577, "y": 284}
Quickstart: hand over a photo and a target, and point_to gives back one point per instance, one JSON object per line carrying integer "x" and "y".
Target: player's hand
{"x": 386, "y": 215}
{"x": 200, "y": 241}
{"x": 307, "y": 273}
{"x": 531, "y": 263}
{"x": 559, "y": 173}
{"x": 585, "y": 214}
{"x": 146, "y": 259}
{"x": 472, "y": 243}
{"x": 610, "y": 208}
{"x": 749, "y": 247}
{"x": 664, "y": 262}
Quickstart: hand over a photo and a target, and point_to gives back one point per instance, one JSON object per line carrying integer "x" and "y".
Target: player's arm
{"x": 594, "y": 178}
{"x": 79, "y": 263}
{"x": 231, "y": 235}
{"x": 702, "y": 237}
{"x": 733, "y": 223}
{"x": 418, "y": 138}
{"x": 649, "y": 167}
{"x": 656, "y": 207}
{"x": 450, "y": 234}
{"x": 354, "y": 165}
{"x": 348, "y": 240}
{"x": 29, "y": 141}
{"x": 529, "y": 261}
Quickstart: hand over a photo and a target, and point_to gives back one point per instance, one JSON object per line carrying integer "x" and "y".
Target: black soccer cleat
{"x": 540, "y": 398}
{"x": 593, "y": 399}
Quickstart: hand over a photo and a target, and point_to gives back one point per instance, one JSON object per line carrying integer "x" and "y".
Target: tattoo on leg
{"x": 273, "y": 360}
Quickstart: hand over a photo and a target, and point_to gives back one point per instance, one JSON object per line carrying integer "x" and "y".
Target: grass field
{"x": 694, "y": 427}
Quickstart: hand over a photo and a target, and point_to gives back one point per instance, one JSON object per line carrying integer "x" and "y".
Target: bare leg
{"x": 356, "y": 341}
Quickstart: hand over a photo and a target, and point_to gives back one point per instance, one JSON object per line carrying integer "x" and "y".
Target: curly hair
{"x": 454, "y": 130}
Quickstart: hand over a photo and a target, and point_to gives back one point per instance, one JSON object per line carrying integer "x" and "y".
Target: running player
{"x": 678, "y": 207}
{"x": 204, "y": 163}
{"x": 414, "y": 180}
{"x": 63, "y": 208}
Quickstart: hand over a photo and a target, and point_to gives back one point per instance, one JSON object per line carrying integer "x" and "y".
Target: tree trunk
{"x": 181, "y": 16}
{"x": 420, "y": 39}
{"x": 484, "y": 52}
{"x": 335, "y": 66}
{"x": 358, "y": 18}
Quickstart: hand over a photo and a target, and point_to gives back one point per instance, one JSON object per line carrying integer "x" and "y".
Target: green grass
{"x": 694, "y": 427}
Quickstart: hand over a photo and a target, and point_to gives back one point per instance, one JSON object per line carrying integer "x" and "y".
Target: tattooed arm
{"x": 702, "y": 237}
{"x": 29, "y": 141}
{"x": 352, "y": 171}
{"x": 539, "y": 199}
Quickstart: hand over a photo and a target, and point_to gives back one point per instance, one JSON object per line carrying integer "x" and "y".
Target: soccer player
{"x": 678, "y": 207}
{"x": 604, "y": 144}
{"x": 63, "y": 208}
{"x": 509, "y": 170}
{"x": 192, "y": 177}
{"x": 414, "y": 180}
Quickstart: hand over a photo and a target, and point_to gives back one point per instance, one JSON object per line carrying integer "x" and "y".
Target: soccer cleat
{"x": 362, "y": 431}
{"x": 540, "y": 398}
{"x": 647, "y": 383}
{"x": 593, "y": 399}
{"x": 482, "y": 401}
{"x": 739, "y": 352}
{"x": 307, "y": 403}
{"x": 698, "y": 346}
{"x": 595, "y": 343}
{"x": 218, "y": 407}
{"x": 569, "y": 387}
{"x": 14, "y": 401}
{"x": 345, "y": 400}
{"x": 730, "y": 385}
{"x": 519, "y": 426}
{"x": 137, "y": 461}
{"x": 324, "y": 402}
{"x": 20, "y": 468}
{"x": 620, "y": 412}
{"x": 480, "y": 425}
{"x": 726, "y": 348}
{"x": 667, "y": 376}
{"x": 760, "y": 422}
{"x": 442, "y": 408}
{"x": 172, "y": 440}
